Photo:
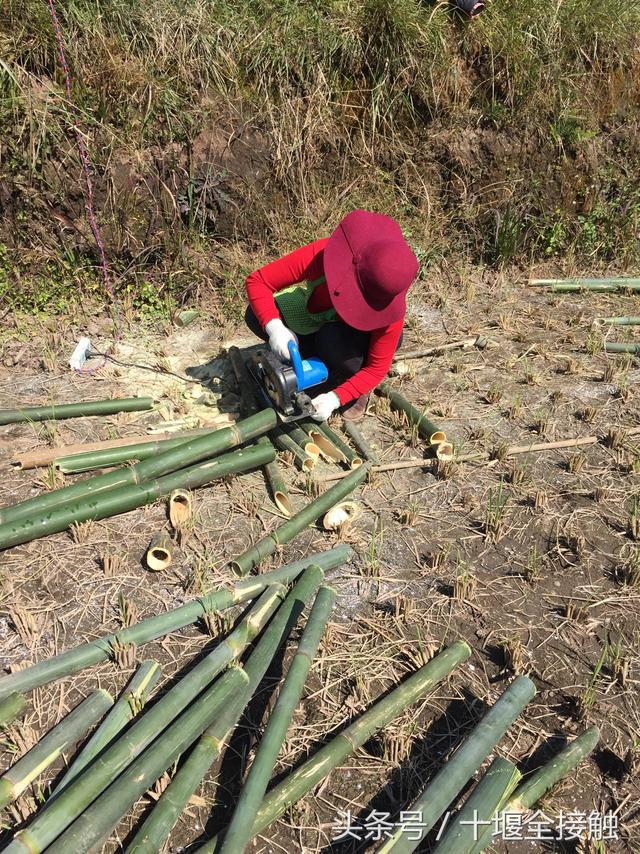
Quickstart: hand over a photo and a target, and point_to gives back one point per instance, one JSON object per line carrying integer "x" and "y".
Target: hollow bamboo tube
{"x": 304, "y": 440}
{"x": 62, "y": 737}
{"x": 268, "y": 544}
{"x": 11, "y": 707}
{"x": 426, "y": 428}
{"x": 628, "y": 320}
{"x": 362, "y": 445}
{"x": 285, "y": 443}
{"x": 159, "y": 555}
{"x": 328, "y": 450}
{"x": 46, "y": 456}
{"x": 94, "y": 823}
{"x": 155, "y": 830}
{"x": 120, "y": 500}
{"x": 191, "y": 451}
{"x": 617, "y": 347}
{"x": 444, "y": 451}
{"x": 84, "y": 655}
{"x": 109, "y": 457}
{"x": 238, "y": 835}
{"x": 486, "y": 800}
{"x": 449, "y": 781}
{"x": 52, "y": 821}
{"x": 271, "y": 471}
{"x": 541, "y": 781}
{"x": 59, "y": 411}
{"x": 337, "y": 441}
{"x": 180, "y": 507}
{"x": 377, "y": 716}
{"x": 128, "y": 704}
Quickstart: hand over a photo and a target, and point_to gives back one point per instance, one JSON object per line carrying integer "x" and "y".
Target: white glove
{"x": 279, "y": 337}
{"x": 324, "y": 405}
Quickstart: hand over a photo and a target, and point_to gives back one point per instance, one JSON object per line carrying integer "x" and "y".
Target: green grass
{"x": 353, "y": 102}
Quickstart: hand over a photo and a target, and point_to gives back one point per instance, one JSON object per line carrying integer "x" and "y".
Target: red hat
{"x": 369, "y": 268}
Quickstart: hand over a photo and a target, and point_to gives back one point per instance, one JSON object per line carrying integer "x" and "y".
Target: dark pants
{"x": 342, "y": 348}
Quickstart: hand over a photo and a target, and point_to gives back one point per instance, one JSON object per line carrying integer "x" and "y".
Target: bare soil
{"x": 530, "y": 558}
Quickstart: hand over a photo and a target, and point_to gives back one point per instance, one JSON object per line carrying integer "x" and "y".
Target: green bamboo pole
{"x": 58, "y": 411}
{"x": 190, "y": 451}
{"x": 249, "y": 406}
{"x": 328, "y": 450}
{"x": 603, "y": 285}
{"x": 338, "y": 442}
{"x": 451, "y": 778}
{"x": 84, "y": 655}
{"x": 486, "y": 800}
{"x": 355, "y": 434}
{"x": 91, "y": 826}
{"x": 129, "y": 704}
{"x": 318, "y": 766}
{"x": 544, "y": 779}
{"x": 268, "y": 544}
{"x": 238, "y": 834}
{"x": 108, "y": 457}
{"x": 627, "y": 320}
{"x": 616, "y": 347}
{"x": 125, "y": 498}
{"x": 82, "y": 791}
{"x": 418, "y": 419}
{"x": 12, "y": 706}
{"x": 62, "y": 737}
{"x": 304, "y": 461}
{"x": 155, "y": 830}
{"x": 304, "y": 441}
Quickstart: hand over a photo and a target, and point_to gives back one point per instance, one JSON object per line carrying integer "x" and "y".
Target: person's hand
{"x": 279, "y": 337}
{"x": 324, "y": 405}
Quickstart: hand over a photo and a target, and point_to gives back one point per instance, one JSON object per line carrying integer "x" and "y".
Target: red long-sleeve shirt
{"x": 306, "y": 264}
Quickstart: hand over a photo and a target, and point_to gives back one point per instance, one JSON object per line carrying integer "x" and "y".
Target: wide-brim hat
{"x": 369, "y": 267}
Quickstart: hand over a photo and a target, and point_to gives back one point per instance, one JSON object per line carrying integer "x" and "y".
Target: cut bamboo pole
{"x": 62, "y": 737}
{"x": 96, "y": 822}
{"x": 238, "y": 834}
{"x": 159, "y": 554}
{"x": 285, "y": 443}
{"x": 155, "y": 830}
{"x": 617, "y": 347}
{"x": 625, "y": 320}
{"x": 463, "y": 344}
{"x": 544, "y": 779}
{"x": 58, "y": 411}
{"x": 328, "y": 450}
{"x": 603, "y": 285}
{"x": 513, "y": 450}
{"x": 480, "y": 808}
{"x": 84, "y": 655}
{"x": 192, "y": 451}
{"x": 180, "y": 507}
{"x": 362, "y": 445}
{"x": 271, "y": 471}
{"x": 82, "y": 791}
{"x": 110, "y": 457}
{"x": 464, "y": 763}
{"x": 334, "y": 753}
{"x": 128, "y": 704}
{"x": 111, "y": 502}
{"x": 338, "y": 442}
{"x": 307, "y": 516}
{"x": 46, "y": 456}
{"x": 418, "y": 419}
{"x": 304, "y": 440}
{"x": 11, "y": 707}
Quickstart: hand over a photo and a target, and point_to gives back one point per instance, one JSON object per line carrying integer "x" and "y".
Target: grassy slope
{"x": 222, "y": 133}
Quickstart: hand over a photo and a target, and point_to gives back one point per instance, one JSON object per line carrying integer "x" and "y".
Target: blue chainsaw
{"x": 284, "y": 385}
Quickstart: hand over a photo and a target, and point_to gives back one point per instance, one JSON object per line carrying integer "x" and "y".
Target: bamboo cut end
{"x": 180, "y": 507}
{"x": 437, "y": 437}
{"x": 160, "y": 553}
{"x": 283, "y": 503}
{"x": 355, "y": 463}
{"x": 340, "y": 515}
{"x": 312, "y": 450}
{"x": 444, "y": 451}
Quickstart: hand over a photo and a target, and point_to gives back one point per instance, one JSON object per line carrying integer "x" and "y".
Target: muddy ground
{"x": 531, "y": 557}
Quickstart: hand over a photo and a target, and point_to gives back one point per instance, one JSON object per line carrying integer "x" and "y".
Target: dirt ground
{"x": 530, "y": 557}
